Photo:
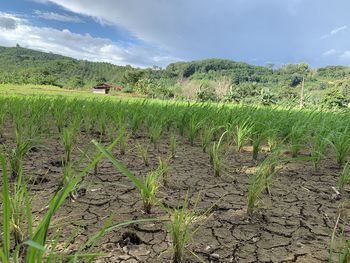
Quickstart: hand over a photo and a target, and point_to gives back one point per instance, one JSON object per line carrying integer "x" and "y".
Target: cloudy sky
{"x": 158, "y": 32}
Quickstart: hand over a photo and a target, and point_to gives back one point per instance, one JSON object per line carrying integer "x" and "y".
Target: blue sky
{"x": 158, "y": 32}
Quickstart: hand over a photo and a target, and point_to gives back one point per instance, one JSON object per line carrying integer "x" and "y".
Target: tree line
{"x": 209, "y": 79}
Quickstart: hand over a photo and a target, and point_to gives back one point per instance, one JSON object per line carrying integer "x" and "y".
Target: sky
{"x": 145, "y": 33}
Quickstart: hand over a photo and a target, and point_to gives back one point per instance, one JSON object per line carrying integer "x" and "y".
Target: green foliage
{"x": 344, "y": 177}
{"x": 244, "y": 82}
{"x": 267, "y": 98}
{"x": 206, "y": 92}
{"x": 179, "y": 227}
{"x": 334, "y": 98}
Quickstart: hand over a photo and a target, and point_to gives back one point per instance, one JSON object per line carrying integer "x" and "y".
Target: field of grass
{"x": 87, "y": 176}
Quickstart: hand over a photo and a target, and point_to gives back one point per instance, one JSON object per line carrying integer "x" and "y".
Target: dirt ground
{"x": 294, "y": 224}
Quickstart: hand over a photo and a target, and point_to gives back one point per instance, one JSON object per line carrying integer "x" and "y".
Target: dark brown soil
{"x": 294, "y": 224}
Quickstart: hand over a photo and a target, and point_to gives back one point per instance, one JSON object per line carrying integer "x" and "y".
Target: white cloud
{"x": 197, "y": 28}
{"x": 79, "y": 46}
{"x": 8, "y": 23}
{"x": 345, "y": 56}
{"x": 330, "y": 52}
{"x": 57, "y": 17}
{"x": 334, "y": 32}
{"x": 270, "y": 30}
{"x": 338, "y": 29}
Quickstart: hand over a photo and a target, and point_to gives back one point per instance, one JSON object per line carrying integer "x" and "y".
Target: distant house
{"x": 101, "y": 88}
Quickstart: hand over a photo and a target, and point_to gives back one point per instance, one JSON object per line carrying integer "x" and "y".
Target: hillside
{"x": 25, "y": 66}
{"x": 210, "y": 79}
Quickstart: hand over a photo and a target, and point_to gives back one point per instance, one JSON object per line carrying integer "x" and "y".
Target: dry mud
{"x": 294, "y": 224}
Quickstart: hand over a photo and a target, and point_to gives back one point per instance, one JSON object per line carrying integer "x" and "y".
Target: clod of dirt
{"x": 34, "y": 149}
{"x": 129, "y": 238}
{"x": 81, "y": 192}
{"x": 56, "y": 163}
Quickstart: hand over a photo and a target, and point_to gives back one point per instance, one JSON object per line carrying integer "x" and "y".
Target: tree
{"x": 334, "y": 98}
{"x": 100, "y": 80}
{"x": 206, "y": 92}
{"x": 131, "y": 77}
{"x": 267, "y": 98}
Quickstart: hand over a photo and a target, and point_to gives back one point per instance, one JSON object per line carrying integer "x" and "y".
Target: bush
{"x": 206, "y": 93}
{"x": 127, "y": 90}
{"x": 334, "y": 98}
{"x": 267, "y": 98}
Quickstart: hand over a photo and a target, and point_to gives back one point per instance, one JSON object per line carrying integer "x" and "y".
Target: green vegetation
{"x": 132, "y": 125}
{"x": 344, "y": 177}
{"x": 179, "y": 227}
{"x": 205, "y": 80}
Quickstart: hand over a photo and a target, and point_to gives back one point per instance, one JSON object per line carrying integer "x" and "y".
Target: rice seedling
{"x": 59, "y": 114}
{"x": 102, "y": 124}
{"x": 123, "y": 140}
{"x": 193, "y": 127}
{"x": 319, "y": 145}
{"x": 163, "y": 169}
{"x": 345, "y": 253}
{"x": 148, "y": 195}
{"x": 143, "y": 153}
{"x": 148, "y": 187}
{"x": 296, "y": 137}
{"x": 261, "y": 180}
{"x": 112, "y": 131}
{"x": 206, "y": 137}
{"x": 18, "y": 201}
{"x": 272, "y": 139}
{"x": 344, "y": 177}
{"x": 179, "y": 228}
{"x": 257, "y": 139}
{"x": 173, "y": 145}
{"x": 136, "y": 120}
{"x": 242, "y": 133}
{"x": 22, "y": 148}
{"x": 38, "y": 248}
{"x": 340, "y": 141}
{"x": 2, "y": 121}
{"x": 255, "y": 189}
{"x": 36, "y": 251}
{"x": 68, "y": 141}
{"x": 155, "y": 132}
{"x": 183, "y": 223}
{"x": 68, "y": 175}
{"x": 215, "y": 155}
{"x": 343, "y": 244}
{"x": 6, "y": 217}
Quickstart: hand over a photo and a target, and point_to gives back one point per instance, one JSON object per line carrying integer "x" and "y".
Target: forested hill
{"x": 237, "y": 80}
{"x": 20, "y": 65}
